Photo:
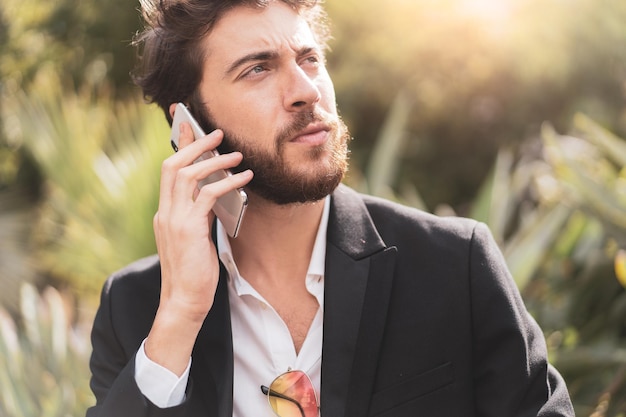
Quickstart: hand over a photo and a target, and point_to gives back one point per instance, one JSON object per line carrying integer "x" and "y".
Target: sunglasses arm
{"x": 273, "y": 393}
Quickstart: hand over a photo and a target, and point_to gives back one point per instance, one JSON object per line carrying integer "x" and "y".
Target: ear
{"x": 172, "y": 109}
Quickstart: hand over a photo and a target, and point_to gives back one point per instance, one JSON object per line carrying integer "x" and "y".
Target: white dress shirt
{"x": 262, "y": 345}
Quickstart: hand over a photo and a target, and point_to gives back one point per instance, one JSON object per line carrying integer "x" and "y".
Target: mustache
{"x": 299, "y": 122}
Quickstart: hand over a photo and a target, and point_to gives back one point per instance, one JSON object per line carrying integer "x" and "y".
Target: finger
{"x": 183, "y": 158}
{"x": 186, "y": 135}
{"x": 155, "y": 227}
{"x": 209, "y": 193}
{"x": 187, "y": 178}
{"x": 193, "y": 150}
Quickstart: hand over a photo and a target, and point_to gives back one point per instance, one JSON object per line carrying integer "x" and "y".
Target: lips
{"x": 313, "y": 134}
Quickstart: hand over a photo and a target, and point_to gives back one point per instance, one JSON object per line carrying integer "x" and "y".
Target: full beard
{"x": 278, "y": 181}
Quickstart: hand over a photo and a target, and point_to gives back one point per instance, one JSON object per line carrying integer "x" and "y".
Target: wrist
{"x": 180, "y": 311}
{"x": 172, "y": 337}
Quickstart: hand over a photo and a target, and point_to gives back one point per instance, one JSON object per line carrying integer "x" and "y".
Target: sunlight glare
{"x": 487, "y": 9}
{"x": 496, "y": 13}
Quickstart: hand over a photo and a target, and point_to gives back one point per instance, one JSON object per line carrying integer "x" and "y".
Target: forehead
{"x": 246, "y": 29}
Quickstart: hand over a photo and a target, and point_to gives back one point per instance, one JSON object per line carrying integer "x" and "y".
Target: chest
{"x": 297, "y": 315}
{"x": 267, "y": 343}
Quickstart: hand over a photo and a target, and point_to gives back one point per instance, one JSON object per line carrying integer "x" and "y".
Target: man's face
{"x": 265, "y": 85}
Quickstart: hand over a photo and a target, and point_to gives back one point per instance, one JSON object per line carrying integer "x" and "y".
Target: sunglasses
{"x": 292, "y": 395}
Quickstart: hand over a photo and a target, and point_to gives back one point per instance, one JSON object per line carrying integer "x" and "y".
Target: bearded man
{"x": 328, "y": 302}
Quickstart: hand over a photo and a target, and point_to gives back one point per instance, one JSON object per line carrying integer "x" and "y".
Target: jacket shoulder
{"x": 133, "y": 292}
{"x": 146, "y": 270}
{"x": 395, "y": 219}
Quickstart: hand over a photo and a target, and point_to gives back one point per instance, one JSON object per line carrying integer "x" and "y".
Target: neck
{"x": 275, "y": 241}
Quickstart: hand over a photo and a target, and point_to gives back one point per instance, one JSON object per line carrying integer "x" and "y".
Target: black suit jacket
{"x": 421, "y": 317}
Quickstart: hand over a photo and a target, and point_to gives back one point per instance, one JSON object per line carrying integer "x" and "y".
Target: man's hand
{"x": 189, "y": 262}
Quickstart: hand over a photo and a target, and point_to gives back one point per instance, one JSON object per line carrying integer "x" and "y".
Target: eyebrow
{"x": 262, "y": 56}
{"x": 252, "y": 57}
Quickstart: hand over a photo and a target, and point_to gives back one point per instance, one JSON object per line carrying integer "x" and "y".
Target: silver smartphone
{"x": 230, "y": 207}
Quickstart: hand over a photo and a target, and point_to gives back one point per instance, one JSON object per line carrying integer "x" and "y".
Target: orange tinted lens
{"x": 292, "y": 395}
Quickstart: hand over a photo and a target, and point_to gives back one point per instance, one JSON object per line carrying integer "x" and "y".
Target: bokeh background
{"x": 508, "y": 111}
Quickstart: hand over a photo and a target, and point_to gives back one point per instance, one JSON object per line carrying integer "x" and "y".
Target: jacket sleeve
{"x": 512, "y": 376}
{"x": 112, "y": 366}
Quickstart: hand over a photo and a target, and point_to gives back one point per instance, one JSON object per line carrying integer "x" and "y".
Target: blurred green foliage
{"x": 87, "y": 41}
{"x": 583, "y": 267}
{"x": 43, "y": 357}
{"x": 481, "y": 74}
{"x": 101, "y": 162}
{"x": 456, "y": 107}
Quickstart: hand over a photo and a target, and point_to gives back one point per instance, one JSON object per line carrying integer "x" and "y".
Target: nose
{"x": 300, "y": 90}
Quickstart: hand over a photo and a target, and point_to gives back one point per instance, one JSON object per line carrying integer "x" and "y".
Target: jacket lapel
{"x": 358, "y": 276}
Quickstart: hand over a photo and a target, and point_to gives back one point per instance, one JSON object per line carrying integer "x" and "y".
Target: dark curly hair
{"x": 170, "y": 57}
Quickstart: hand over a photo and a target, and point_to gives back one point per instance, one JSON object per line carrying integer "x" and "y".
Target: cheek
{"x": 243, "y": 116}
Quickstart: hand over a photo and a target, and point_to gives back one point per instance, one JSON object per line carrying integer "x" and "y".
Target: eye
{"x": 255, "y": 70}
{"x": 311, "y": 60}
